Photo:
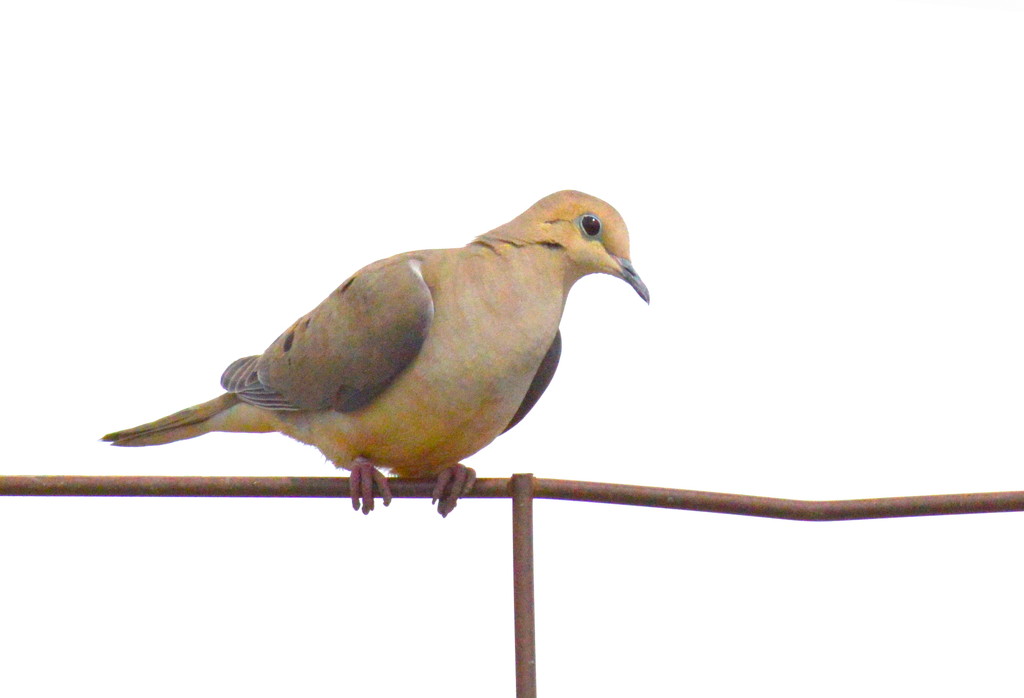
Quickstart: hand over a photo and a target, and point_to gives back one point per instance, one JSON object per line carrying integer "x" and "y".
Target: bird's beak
{"x": 629, "y": 275}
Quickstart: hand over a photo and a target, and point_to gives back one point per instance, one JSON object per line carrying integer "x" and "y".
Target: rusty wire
{"x": 523, "y": 489}
{"x": 499, "y": 488}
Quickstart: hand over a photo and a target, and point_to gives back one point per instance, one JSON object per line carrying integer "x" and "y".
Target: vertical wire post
{"x": 522, "y": 569}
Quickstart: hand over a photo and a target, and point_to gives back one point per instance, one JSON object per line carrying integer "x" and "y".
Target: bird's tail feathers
{"x": 186, "y": 424}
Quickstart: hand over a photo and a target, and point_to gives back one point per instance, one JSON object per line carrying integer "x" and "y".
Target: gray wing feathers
{"x": 348, "y": 350}
{"x": 239, "y": 374}
{"x": 242, "y": 379}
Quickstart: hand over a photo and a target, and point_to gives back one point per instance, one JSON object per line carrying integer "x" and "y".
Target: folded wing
{"x": 348, "y": 350}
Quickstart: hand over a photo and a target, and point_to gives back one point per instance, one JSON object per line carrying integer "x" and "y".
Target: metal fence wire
{"x": 522, "y": 489}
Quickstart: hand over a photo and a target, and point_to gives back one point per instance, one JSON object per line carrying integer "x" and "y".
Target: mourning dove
{"x": 422, "y": 359}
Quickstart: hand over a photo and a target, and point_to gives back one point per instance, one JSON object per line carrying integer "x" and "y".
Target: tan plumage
{"x": 422, "y": 359}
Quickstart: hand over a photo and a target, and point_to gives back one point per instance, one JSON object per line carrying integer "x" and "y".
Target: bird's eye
{"x": 591, "y": 225}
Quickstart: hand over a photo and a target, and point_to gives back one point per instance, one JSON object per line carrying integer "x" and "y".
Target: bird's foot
{"x": 453, "y": 482}
{"x": 361, "y": 481}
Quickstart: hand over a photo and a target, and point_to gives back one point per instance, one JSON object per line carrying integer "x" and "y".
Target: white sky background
{"x": 824, "y": 198}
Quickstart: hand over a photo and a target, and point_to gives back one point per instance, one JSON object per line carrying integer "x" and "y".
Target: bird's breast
{"x": 486, "y": 342}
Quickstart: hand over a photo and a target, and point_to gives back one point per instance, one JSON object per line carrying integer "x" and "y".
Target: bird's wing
{"x": 348, "y": 350}
{"x": 540, "y": 380}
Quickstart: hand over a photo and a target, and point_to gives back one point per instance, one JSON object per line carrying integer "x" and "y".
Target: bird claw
{"x": 361, "y": 481}
{"x": 452, "y": 482}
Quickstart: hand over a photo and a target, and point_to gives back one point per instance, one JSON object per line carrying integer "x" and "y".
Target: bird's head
{"x": 591, "y": 232}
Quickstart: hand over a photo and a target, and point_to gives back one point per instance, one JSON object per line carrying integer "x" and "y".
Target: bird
{"x": 418, "y": 361}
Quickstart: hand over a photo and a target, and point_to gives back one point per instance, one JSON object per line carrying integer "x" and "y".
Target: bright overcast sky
{"x": 824, "y": 199}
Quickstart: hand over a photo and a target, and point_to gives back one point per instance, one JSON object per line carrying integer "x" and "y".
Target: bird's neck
{"x": 540, "y": 258}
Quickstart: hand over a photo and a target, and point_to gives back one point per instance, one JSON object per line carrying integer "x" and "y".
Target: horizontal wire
{"x": 494, "y": 488}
